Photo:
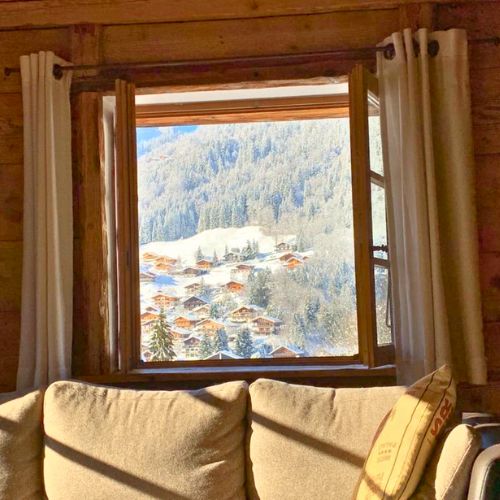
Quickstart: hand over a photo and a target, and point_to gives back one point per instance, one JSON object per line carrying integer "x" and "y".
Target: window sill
{"x": 320, "y": 374}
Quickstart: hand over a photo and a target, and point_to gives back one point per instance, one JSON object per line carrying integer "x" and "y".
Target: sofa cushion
{"x": 310, "y": 442}
{"x": 105, "y": 443}
{"x": 406, "y": 438}
{"x": 21, "y": 445}
{"x": 447, "y": 475}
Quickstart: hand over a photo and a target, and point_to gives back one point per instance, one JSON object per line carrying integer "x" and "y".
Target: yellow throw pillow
{"x": 406, "y": 438}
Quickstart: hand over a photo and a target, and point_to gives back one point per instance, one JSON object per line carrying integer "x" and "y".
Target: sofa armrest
{"x": 485, "y": 477}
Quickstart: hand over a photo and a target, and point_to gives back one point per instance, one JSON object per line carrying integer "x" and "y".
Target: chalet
{"x": 233, "y": 256}
{"x": 164, "y": 300}
{"x": 146, "y": 326}
{"x": 223, "y": 355}
{"x": 284, "y": 352}
{"x": 293, "y": 262}
{"x": 284, "y": 246}
{"x": 149, "y": 256}
{"x": 241, "y": 271}
{"x": 146, "y": 277}
{"x": 234, "y": 286}
{"x": 185, "y": 321}
{"x": 202, "y": 312}
{"x": 193, "y": 302}
{"x": 205, "y": 264}
{"x": 265, "y": 325}
{"x": 148, "y": 316}
{"x": 191, "y": 346}
{"x": 243, "y": 313}
{"x": 209, "y": 326}
{"x": 192, "y": 271}
{"x": 162, "y": 267}
{"x": 289, "y": 255}
{"x": 165, "y": 259}
{"x": 179, "y": 333}
{"x": 193, "y": 288}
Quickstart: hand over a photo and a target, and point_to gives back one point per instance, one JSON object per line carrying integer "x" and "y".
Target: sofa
{"x": 269, "y": 441}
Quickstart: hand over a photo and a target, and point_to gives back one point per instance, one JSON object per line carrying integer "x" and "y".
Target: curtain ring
{"x": 433, "y": 48}
{"x": 389, "y": 51}
{"x": 57, "y": 71}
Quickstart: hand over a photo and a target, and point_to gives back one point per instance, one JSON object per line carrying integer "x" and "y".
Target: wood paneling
{"x": 156, "y": 30}
{"x": 14, "y": 44}
{"x": 10, "y": 275}
{"x": 11, "y": 129}
{"x": 219, "y": 39}
{"x": 11, "y": 202}
{"x": 65, "y": 12}
{"x": 9, "y": 349}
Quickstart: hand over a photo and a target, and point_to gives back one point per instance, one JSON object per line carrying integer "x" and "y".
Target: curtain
{"x": 47, "y": 281}
{"x": 425, "y": 107}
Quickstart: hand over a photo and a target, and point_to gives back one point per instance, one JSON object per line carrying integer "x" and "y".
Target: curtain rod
{"x": 284, "y": 59}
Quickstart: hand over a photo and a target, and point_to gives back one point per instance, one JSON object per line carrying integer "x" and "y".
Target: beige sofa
{"x": 269, "y": 441}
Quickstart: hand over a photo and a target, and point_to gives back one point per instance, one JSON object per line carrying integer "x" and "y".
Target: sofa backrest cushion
{"x": 120, "y": 443}
{"x": 310, "y": 442}
{"x": 21, "y": 445}
{"x": 447, "y": 475}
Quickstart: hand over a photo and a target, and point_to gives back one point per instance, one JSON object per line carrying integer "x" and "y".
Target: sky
{"x": 146, "y": 133}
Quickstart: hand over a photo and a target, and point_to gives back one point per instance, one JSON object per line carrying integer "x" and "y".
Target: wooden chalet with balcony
{"x": 243, "y": 313}
{"x": 149, "y": 256}
{"x": 185, "y": 321}
{"x": 193, "y": 302}
{"x": 284, "y": 352}
{"x": 148, "y": 316}
{"x": 234, "y": 286}
{"x": 164, "y": 300}
{"x": 205, "y": 264}
{"x": 265, "y": 325}
{"x": 209, "y": 326}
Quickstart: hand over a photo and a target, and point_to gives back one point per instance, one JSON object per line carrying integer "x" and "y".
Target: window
{"x": 251, "y": 230}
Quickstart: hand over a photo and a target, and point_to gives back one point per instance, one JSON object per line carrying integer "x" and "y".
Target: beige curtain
{"x": 47, "y": 286}
{"x": 425, "y": 102}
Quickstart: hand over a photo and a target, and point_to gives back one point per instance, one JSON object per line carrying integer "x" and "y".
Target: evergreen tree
{"x": 198, "y": 255}
{"x": 206, "y": 347}
{"x": 160, "y": 342}
{"x": 221, "y": 342}
{"x": 311, "y": 310}
{"x": 244, "y": 343}
{"x": 259, "y": 288}
{"x": 299, "y": 330}
{"x": 248, "y": 252}
{"x": 215, "y": 258}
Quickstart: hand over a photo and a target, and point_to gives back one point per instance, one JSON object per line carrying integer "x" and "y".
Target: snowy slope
{"x": 214, "y": 239}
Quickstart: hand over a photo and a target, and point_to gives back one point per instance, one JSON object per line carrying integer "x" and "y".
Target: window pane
{"x": 246, "y": 241}
{"x": 376, "y": 158}
{"x": 379, "y": 219}
{"x": 384, "y": 335}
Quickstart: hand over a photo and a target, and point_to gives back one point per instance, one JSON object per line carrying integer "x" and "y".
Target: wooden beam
{"x": 244, "y": 110}
{"x": 90, "y": 283}
{"x": 247, "y": 37}
{"x": 15, "y": 14}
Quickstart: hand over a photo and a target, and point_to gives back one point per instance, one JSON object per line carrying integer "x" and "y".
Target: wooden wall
{"x": 116, "y": 31}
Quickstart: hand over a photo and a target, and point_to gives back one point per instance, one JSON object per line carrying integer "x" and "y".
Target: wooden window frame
{"x": 129, "y": 116}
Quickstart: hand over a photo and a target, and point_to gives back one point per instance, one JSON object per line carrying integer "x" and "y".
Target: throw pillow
{"x": 406, "y": 438}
